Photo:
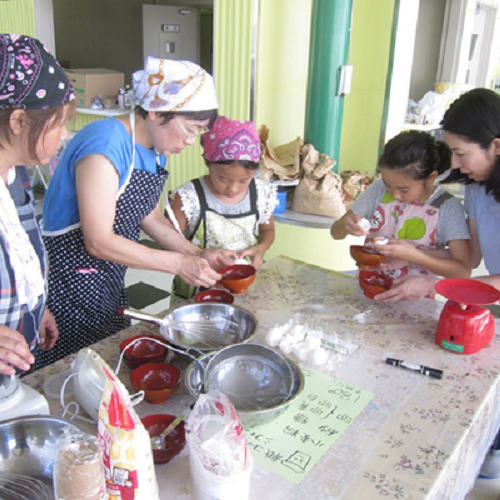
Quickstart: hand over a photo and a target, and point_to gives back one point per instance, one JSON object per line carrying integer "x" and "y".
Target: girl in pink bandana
{"x": 227, "y": 208}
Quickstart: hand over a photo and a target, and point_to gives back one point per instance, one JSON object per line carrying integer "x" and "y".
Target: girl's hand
{"x": 49, "y": 333}
{"x": 390, "y": 264}
{"x": 397, "y": 249}
{"x": 351, "y": 225}
{"x": 14, "y": 351}
{"x": 255, "y": 254}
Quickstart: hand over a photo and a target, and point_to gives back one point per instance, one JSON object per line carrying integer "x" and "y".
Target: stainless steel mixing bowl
{"x": 193, "y": 379}
{"x": 27, "y": 445}
{"x": 220, "y": 325}
{"x": 253, "y": 376}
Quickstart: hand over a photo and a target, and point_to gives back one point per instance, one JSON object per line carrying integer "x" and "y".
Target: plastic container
{"x": 210, "y": 486}
{"x": 53, "y": 385}
{"x": 280, "y": 202}
{"x": 23, "y": 401}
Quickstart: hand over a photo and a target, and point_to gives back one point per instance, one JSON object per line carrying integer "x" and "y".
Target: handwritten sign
{"x": 292, "y": 444}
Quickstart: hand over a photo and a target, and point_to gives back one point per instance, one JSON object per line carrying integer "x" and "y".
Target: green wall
{"x": 17, "y": 17}
{"x": 281, "y": 92}
{"x": 370, "y": 43}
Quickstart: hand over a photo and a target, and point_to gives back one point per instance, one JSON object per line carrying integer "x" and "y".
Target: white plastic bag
{"x": 220, "y": 461}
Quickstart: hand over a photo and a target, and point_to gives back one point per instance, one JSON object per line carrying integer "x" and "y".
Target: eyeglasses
{"x": 192, "y": 134}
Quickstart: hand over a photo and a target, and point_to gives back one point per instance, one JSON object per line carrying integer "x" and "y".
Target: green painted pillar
{"x": 328, "y": 51}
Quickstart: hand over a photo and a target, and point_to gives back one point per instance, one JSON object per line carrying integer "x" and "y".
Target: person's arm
{"x": 97, "y": 184}
{"x": 456, "y": 266}
{"x": 475, "y": 250}
{"x": 178, "y": 212}
{"x": 409, "y": 287}
{"x": 265, "y": 240}
{"x": 14, "y": 351}
{"x": 49, "y": 332}
{"x": 493, "y": 280}
{"x": 347, "y": 224}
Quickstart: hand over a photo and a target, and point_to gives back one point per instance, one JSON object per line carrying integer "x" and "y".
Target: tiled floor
{"x": 150, "y": 290}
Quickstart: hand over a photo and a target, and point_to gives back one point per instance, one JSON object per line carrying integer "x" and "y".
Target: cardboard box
{"x": 89, "y": 83}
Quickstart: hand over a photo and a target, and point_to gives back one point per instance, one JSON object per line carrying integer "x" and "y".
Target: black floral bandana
{"x": 30, "y": 77}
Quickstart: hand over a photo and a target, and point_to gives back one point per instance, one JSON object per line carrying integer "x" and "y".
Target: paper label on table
{"x": 292, "y": 444}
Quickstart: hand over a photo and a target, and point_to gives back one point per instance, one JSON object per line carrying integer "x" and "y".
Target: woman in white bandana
{"x": 106, "y": 188}
{"x": 35, "y": 103}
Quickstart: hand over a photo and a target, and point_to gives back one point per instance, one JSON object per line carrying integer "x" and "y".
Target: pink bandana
{"x": 231, "y": 140}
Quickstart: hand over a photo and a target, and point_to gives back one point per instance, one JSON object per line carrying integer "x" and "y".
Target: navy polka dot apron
{"x": 84, "y": 291}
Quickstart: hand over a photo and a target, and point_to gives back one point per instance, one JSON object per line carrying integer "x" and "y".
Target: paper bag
{"x": 127, "y": 455}
{"x": 280, "y": 163}
{"x": 353, "y": 184}
{"x": 319, "y": 191}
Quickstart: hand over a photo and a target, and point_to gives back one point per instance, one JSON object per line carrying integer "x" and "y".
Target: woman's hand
{"x": 409, "y": 287}
{"x": 196, "y": 271}
{"x": 218, "y": 257}
{"x": 14, "y": 351}
{"x": 49, "y": 333}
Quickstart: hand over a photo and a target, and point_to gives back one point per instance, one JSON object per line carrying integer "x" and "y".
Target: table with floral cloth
{"x": 418, "y": 438}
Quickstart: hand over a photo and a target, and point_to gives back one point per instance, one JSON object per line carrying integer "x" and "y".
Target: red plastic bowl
{"x": 214, "y": 296}
{"x": 372, "y": 283}
{"x": 237, "y": 278}
{"x": 143, "y": 352}
{"x": 158, "y": 381}
{"x": 365, "y": 257}
{"x": 174, "y": 442}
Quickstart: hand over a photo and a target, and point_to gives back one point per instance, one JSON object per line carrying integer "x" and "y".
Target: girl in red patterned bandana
{"x": 227, "y": 208}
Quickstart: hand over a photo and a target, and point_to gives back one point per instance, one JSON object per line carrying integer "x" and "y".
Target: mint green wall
{"x": 281, "y": 92}
{"x": 17, "y": 17}
{"x": 371, "y": 33}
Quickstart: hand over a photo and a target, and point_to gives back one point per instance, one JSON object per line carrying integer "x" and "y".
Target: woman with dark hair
{"x": 36, "y": 100}
{"x": 107, "y": 187}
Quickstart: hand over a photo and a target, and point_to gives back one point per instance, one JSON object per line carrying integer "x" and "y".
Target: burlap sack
{"x": 319, "y": 191}
{"x": 280, "y": 163}
{"x": 353, "y": 184}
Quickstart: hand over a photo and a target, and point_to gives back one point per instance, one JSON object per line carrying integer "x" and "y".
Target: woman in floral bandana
{"x": 35, "y": 103}
{"x": 227, "y": 208}
{"x": 106, "y": 188}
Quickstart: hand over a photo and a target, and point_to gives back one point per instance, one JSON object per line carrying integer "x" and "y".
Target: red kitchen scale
{"x": 464, "y": 327}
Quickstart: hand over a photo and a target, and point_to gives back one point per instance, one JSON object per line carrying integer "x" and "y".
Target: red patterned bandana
{"x": 30, "y": 77}
{"x": 230, "y": 140}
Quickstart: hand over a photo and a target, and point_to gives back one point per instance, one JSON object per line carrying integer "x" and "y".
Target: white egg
{"x": 274, "y": 336}
{"x": 319, "y": 356}
{"x": 285, "y": 346}
{"x": 364, "y": 224}
{"x": 243, "y": 262}
{"x": 381, "y": 240}
{"x": 302, "y": 350}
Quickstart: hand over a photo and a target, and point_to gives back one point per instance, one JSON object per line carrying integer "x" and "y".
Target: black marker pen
{"x": 424, "y": 370}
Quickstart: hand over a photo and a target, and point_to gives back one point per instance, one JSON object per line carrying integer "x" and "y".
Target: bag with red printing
{"x": 128, "y": 459}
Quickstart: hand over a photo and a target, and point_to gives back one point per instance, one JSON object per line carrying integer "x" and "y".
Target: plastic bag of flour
{"x": 128, "y": 459}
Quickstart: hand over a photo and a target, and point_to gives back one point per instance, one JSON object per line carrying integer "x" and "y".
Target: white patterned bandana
{"x": 169, "y": 86}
